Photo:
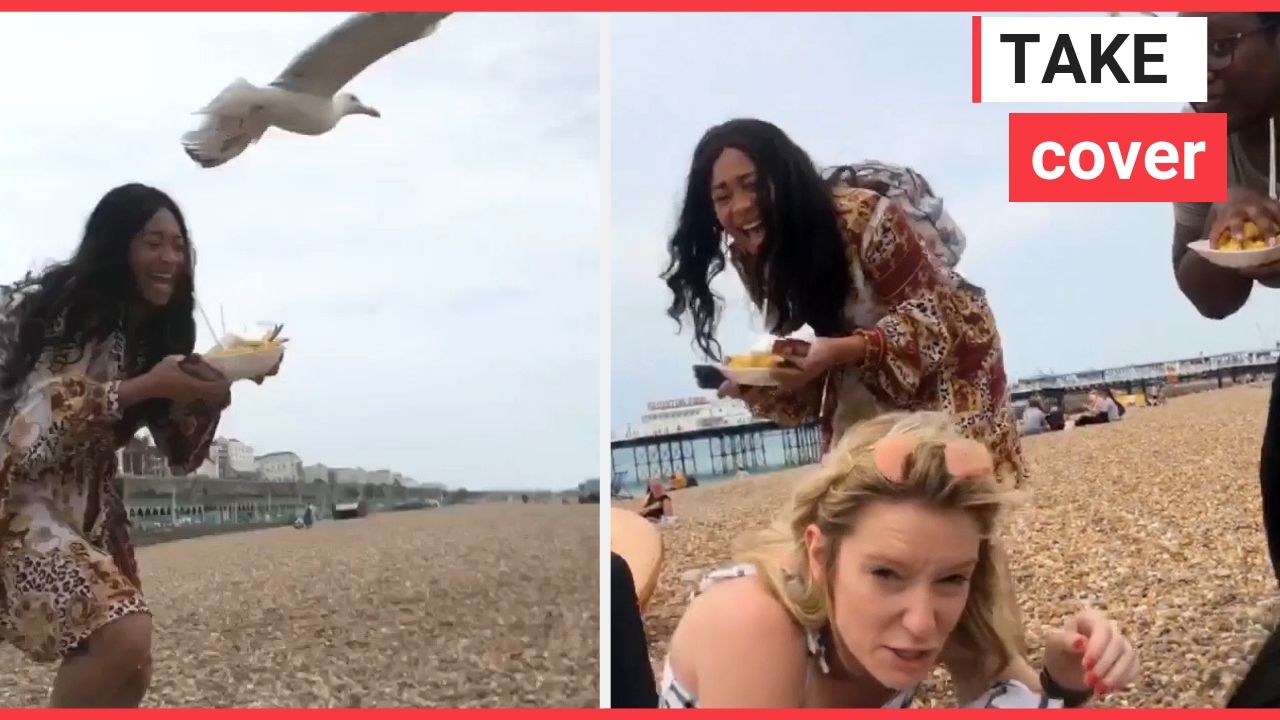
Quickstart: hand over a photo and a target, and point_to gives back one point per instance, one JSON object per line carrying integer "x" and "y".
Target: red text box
{"x": 1117, "y": 157}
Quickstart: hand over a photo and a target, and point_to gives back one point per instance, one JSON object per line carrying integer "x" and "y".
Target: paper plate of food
{"x": 240, "y": 358}
{"x": 756, "y": 368}
{"x": 1249, "y": 251}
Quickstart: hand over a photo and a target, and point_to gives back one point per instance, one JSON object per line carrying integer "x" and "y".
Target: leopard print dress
{"x": 66, "y": 562}
{"x": 932, "y": 342}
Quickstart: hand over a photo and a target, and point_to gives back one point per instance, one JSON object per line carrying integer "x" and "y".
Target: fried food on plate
{"x": 754, "y": 361}
{"x": 1252, "y": 239}
{"x": 236, "y": 345}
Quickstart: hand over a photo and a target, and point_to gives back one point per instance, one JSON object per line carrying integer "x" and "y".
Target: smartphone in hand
{"x": 709, "y": 377}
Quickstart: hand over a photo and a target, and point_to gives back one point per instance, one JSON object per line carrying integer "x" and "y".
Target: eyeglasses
{"x": 1222, "y": 50}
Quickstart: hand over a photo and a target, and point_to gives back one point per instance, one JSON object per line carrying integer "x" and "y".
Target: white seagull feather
{"x": 306, "y": 98}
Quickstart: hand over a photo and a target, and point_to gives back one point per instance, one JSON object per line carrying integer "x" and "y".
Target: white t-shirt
{"x": 1113, "y": 410}
{"x": 1240, "y": 173}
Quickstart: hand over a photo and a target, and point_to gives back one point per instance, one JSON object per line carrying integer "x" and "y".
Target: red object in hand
{"x": 789, "y": 348}
{"x": 196, "y": 367}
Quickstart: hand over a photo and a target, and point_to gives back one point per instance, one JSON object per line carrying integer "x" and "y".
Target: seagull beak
{"x": 371, "y": 112}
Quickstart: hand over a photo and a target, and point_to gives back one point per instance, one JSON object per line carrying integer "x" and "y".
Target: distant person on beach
{"x": 1055, "y": 418}
{"x": 91, "y": 350}
{"x": 1034, "y": 420}
{"x": 1154, "y": 396}
{"x": 1243, "y": 82}
{"x": 657, "y": 503}
{"x": 896, "y": 326}
{"x": 1102, "y": 408}
{"x": 1115, "y": 408}
{"x": 1095, "y": 411}
{"x": 878, "y": 571}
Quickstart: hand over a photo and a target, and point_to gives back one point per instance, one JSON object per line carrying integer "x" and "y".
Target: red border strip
{"x": 977, "y": 58}
{"x": 966, "y": 7}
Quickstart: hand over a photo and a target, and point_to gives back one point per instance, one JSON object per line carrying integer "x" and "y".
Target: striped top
{"x": 1003, "y": 694}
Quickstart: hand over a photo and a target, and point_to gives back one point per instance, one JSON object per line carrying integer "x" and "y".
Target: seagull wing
{"x": 344, "y": 52}
{"x": 223, "y": 136}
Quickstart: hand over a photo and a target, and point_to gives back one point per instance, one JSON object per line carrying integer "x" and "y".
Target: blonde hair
{"x": 848, "y": 481}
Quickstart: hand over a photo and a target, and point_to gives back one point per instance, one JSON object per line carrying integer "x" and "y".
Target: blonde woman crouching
{"x": 882, "y": 569}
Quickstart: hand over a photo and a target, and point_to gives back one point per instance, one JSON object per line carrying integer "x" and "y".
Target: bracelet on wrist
{"x": 1069, "y": 698}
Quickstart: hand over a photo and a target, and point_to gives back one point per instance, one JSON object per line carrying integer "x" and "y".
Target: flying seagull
{"x": 305, "y": 98}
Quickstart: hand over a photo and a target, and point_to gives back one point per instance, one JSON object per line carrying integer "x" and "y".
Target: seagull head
{"x": 349, "y": 104}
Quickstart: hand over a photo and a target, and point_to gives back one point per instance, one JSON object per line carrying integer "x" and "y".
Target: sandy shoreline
{"x": 490, "y": 605}
{"x": 1155, "y": 519}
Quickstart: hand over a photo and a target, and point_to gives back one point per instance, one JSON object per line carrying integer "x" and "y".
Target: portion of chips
{"x": 1252, "y": 239}
{"x": 236, "y": 345}
{"x": 754, "y": 361}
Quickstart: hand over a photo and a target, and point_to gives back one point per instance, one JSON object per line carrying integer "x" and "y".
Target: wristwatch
{"x": 1069, "y": 698}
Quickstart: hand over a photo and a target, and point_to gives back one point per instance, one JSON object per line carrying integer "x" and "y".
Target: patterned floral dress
{"x": 927, "y": 212}
{"x": 66, "y": 562}
{"x": 932, "y": 342}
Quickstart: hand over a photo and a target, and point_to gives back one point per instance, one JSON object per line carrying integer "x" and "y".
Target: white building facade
{"x": 349, "y": 476}
{"x": 233, "y": 457}
{"x": 666, "y": 417}
{"x": 279, "y": 467}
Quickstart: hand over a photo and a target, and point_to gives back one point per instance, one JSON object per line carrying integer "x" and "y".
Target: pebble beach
{"x": 491, "y": 605}
{"x": 1155, "y": 519}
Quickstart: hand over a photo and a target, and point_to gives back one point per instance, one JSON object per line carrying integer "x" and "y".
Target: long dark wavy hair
{"x": 800, "y": 276}
{"x": 86, "y": 298}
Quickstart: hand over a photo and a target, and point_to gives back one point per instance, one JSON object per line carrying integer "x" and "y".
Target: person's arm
{"x": 973, "y": 675}
{"x": 970, "y": 686}
{"x": 1020, "y": 670}
{"x": 633, "y": 684}
{"x": 1088, "y": 656}
{"x": 183, "y": 432}
{"x": 136, "y": 391}
{"x": 59, "y": 411}
{"x": 915, "y": 337}
{"x": 1260, "y": 687}
{"x": 668, "y": 508}
{"x": 785, "y": 406}
{"x": 1215, "y": 292}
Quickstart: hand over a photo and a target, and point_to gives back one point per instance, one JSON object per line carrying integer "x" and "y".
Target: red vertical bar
{"x": 977, "y": 58}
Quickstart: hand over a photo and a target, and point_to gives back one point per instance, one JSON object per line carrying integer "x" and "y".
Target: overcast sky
{"x": 1073, "y": 286}
{"x": 420, "y": 262}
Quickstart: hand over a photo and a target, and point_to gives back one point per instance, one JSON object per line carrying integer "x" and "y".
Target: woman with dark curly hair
{"x": 91, "y": 350}
{"x": 897, "y": 328}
